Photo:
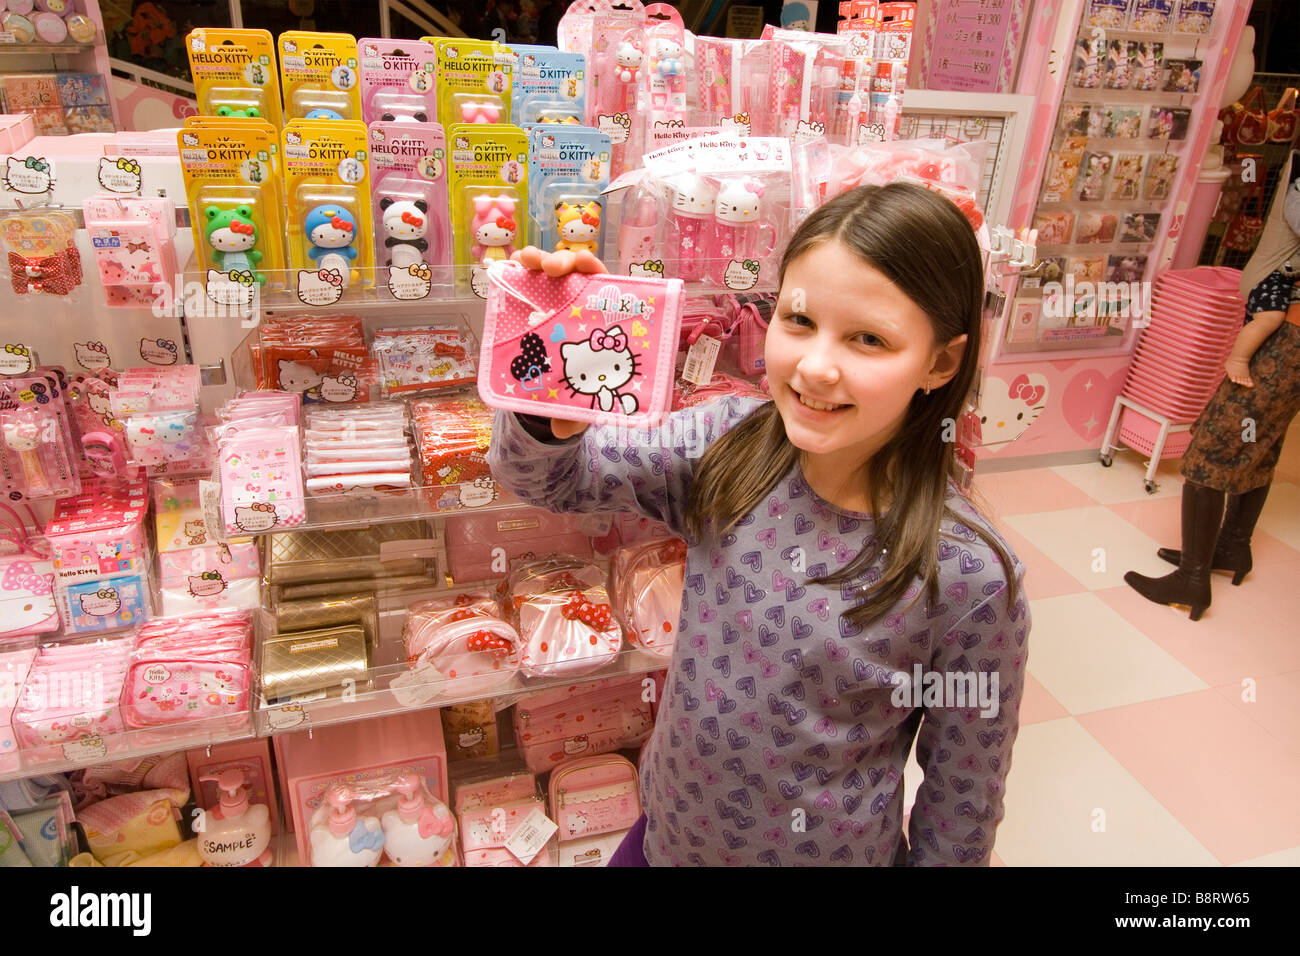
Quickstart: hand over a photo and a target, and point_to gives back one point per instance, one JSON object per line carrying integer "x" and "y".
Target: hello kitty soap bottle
{"x": 740, "y": 235}
{"x": 236, "y": 833}
{"x": 419, "y": 831}
{"x": 345, "y": 837}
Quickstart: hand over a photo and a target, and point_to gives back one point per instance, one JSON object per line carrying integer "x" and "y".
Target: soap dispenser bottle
{"x": 418, "y": 832}
{"x": 236, "y": 833}
{"x": 345, "y": 837}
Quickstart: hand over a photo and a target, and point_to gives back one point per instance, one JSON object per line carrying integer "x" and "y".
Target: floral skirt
{"x": 1237, "y": 439}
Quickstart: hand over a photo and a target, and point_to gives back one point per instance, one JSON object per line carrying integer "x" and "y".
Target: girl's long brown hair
{"x": 922, "y": 243}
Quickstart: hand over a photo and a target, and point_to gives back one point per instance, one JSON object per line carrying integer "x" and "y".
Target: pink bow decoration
{"x": 1020, "y": 388}
{"x": 21, "y": 576}
{"x": 430, "y": 824}
{"x": 331, "y": 276}
{"x": 412, "y": 220}
{"x": 615, "y": 343}
{"x": 755, "y": 187}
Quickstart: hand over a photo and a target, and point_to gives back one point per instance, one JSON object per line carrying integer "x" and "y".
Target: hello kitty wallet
{"x": 591, "y": 348}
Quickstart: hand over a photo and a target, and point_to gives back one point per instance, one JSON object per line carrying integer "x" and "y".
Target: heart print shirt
{"x": 780, "y": 739}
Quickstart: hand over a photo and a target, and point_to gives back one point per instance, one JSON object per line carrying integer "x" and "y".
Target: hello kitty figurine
{"x": 494, "y": 228}
{"x": 599, "y": 367}
{"x": 419, "y": 831}
{"x": 627, "y": 62}
{"x": 346, "y": 838}
{"x": 693, "y": 201}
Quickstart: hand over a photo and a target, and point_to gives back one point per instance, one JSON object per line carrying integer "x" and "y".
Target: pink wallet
{"x": 592, "y": 348}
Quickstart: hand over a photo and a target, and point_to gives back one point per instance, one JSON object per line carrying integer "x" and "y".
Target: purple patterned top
{"x": 784, "y": 730}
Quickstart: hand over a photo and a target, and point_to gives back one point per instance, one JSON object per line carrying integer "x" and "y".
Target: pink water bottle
{"x": 693, "y": 200}
{"x": 739, "y": 234}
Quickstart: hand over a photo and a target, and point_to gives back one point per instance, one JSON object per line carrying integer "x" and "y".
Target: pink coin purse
{"x": 591, "y": 348}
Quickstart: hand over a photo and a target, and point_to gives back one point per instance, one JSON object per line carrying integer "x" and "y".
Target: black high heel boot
{"x": 1232, "y": 553}
{"x": 1190, "y": 584}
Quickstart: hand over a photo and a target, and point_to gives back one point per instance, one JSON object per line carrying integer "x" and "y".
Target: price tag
{"x": 700, "y": 360}
{"x": 530, "y": 836}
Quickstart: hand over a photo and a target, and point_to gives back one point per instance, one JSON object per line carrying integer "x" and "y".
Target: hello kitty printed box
{"x": 592, "y": 348}
{"x": 100, "y": 533}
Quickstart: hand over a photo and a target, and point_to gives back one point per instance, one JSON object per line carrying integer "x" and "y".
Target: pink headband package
{"x": 594, "y": 348}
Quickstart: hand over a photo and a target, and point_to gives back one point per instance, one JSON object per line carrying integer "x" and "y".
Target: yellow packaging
{"x": 234, "y": 193}
{"x": 319, "y": 74}
{"x": 327, "y": 186}
{"x": 234, "y": 73}
{"x": 474, "y": 80}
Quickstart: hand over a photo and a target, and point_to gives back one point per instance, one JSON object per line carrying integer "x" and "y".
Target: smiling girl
{"x": 842, "y": 598}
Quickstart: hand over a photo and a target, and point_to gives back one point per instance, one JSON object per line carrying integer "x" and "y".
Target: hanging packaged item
{"x": 318, "y": 73}
{"x": 133, "y": 238}
{"x": 326, "y": 186}
{"x": 550, "y": 87}
{"x": 37, "y": 456}
{"x": 488, "y": 189}
{"x": 582, "y": 719}
{"x": 234, "y": 73}
{"x": 538, "y": 358}
{"x": 475, "y": 78}
{"x": 568, "y": 173}
{"x": 409, "y": 205}
{"x": 41, "y": 247}
{"x": 398, "y": 81}
{"x": 232, "y": 181}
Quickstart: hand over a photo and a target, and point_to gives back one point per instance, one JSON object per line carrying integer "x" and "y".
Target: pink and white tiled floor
{"x": 1147, "y": 739}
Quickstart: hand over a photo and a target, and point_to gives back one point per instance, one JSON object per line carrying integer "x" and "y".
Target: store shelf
{"x": 44, "y": 49}
{"x": 336, "y": 512}
{"x": 379, "y": 700}
{"x": 133, "y": 743}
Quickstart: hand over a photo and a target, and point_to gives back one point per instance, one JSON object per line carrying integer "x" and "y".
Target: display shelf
{"x": 8, "y": 50}
{"x": 133, "y": 743}
{"x": 379, "y": 699}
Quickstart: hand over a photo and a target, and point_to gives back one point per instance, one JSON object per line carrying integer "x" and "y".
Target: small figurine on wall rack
{"x": 494, "y": 227}
{"x": 406, "y": 223}
{"x": 233, "y": 235}
{"x": 331, "y": 230}
{"x": 579, "y": 226}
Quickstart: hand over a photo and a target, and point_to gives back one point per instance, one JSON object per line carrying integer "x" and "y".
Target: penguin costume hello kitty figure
{"x": 344, "y": 837}
{"x": 331, "y": 231}
{"x": 419, "y": 831}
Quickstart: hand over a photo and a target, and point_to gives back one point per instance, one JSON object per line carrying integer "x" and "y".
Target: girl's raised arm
{"x": 610, "y": 468}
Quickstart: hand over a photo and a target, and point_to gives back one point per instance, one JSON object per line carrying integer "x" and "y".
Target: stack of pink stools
{"x": 1178, "y": 363}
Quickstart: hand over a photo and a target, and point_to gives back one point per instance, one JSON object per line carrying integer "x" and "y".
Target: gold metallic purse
{"x": 315, "y": 662}
{"x": 402, "y": 547}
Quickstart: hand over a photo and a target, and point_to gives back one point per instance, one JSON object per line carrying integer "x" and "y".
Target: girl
{"x": 839, "y": 593}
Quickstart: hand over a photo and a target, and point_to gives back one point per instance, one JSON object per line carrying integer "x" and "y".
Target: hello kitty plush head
{"x": 692, "y": 195}
{"x": 599, "y": 366}
{"x": 737, "y": 201}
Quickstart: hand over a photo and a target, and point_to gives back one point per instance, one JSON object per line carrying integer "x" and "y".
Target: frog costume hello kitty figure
{"x": 420, "y": 831}
{"x": 331, "y": 231}
{"x": 344, "y": 837}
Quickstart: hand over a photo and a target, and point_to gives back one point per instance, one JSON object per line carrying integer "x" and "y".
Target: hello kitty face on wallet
{"x": 297, "y": 377}
{"x": 599, "y": 366}
{"x": 103, "y": 603}
{"x": 576, "y": 745}
{"x": 254, "y": 519}
{"x": 207, "y": 584}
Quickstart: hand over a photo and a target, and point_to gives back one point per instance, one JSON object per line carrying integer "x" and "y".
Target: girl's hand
{"x": 556, "y": 264}
{"x": 1239, "y": 372}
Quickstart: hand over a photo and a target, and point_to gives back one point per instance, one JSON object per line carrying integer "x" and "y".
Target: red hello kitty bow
{"x": 338, "y": 222}
{"x": 615, "y": 343}
{"x": 506, "y": 223}
{"x": 240, "y": 228}
{"x": 412, "y": 220}
{"x": 596, "y": 616}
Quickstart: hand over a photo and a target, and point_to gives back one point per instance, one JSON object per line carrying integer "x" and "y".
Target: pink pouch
{"x": 564, "y": 618}
{"x": 465, "y": 640}
{"x": 594, "y": 795}
{"x": 592, "y": 348}
{"x": 485, "y": 830}
{"x": 581, "y": 719}
{"x": 27, "y": 596}
{"x": 648, "y": 581}
{"x": 472, "y": 542}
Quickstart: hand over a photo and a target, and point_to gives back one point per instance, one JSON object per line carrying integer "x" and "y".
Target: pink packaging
{"x": 398, "y": 81}
{"x": 251, "y": 757}
{"x": 593, "y": 348}
{"x": 648, "y": 580}
{"x": 477, "y": 543}
{"x": 582, "y": 719}
{"x": 190, "y": 668}
{"x": 14, "y": 665}
{"x": 100, "y": 533}
{"x": 485, "y": 830}
{"x": 210, "y": 577}
{"x": 27, "y": 604}
{"x": 462, "y": 639}
{"x": 563, "y": 617}
{"x": 594, "y": 800}
{"x": 16, "y": 130}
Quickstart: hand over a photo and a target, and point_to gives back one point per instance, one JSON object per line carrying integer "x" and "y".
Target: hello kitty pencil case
{"x": 592, "y": 348}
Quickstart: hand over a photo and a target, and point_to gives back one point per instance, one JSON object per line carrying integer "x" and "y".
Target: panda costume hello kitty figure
{"x": 405, "y": 224}
{"x": 599, "y": 366}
